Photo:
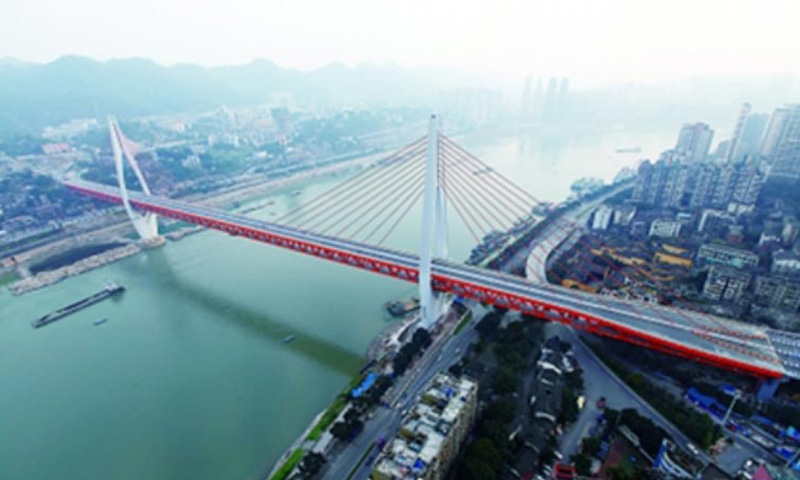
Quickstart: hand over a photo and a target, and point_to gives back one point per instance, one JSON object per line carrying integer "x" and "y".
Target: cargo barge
{"x": 109, "y": 290}
{"x": 399, "y": 309}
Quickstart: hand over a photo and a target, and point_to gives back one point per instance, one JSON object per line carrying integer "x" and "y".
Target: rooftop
{"x": 426, "y": 428}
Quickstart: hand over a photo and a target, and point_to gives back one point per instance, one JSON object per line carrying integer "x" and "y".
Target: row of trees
{"x": 513, "y": 348}
{"x": 697, "y": 426}
{"x": 411, "y": 350}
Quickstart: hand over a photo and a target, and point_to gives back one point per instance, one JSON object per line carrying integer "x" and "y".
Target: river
{"x": 189, "y": 378}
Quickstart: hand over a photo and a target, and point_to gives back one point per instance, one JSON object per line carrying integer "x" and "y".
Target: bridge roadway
{"x": 723, "y": 343}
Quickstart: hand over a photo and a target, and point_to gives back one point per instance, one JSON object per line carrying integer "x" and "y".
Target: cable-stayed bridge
{"x": 350, "y": 223}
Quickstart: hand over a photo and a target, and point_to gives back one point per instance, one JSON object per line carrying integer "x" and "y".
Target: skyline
{"x": 583, "y": 40}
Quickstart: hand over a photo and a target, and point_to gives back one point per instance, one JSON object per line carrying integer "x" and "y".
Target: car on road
{"x": 601, "y": 403}
{"x": 695, "y": 451}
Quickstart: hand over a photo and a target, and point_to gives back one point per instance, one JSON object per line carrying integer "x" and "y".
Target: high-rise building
{"x": 785, "y": 154}
{"x": 774, "y": 131}
{"x": 664, "y": 183}
{"x": 746, "y": 189}
{"x": 737, "y": 130}
{"x": 704, "y": 179}
{"x": 694, "y": 141}
{"x": 734, "y": 187}
{"x": 750, "y": 138}
{"x": 526, "y": 108}
{"x": 551, "y": 100}
{"x": 563, "y": 98}
{"x": 538, "y": 100}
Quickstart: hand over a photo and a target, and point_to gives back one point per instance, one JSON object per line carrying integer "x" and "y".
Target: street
{"x": 386, "y": 421}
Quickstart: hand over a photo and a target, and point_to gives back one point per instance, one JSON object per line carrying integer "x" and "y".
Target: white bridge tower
{"x": 434, "y": 227}
{"x": 146, "y": 225}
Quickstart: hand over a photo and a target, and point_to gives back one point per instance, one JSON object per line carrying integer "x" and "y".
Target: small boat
{"x": 288, "y": 338}
{"x": 100, "y": 321}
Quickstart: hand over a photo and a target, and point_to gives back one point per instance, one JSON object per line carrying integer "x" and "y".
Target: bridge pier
{"x": 146, "y": 225}
{"x": 767, "y": 388}
{"x": 434, "y": 227}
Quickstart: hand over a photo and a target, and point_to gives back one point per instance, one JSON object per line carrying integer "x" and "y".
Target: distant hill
{"x": 33, "y": 96}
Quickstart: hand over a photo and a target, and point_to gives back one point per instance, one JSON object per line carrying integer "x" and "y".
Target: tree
{"x": 583, "y": 464}
{"x": 591, "y": 446}
{"x": 341, "y": 431}
{"x": 486, "y": 451}
{"x": 546, "y": 456}
{"x": 505, "y": 381}
{"x": 422, "y": 338}
{"x": 475, "y": 469}
{"x": 456, "y": 369}
{"x": 311, "y": 464}
{"x": 569, "y": 405}
{"x": 500, "y": 310}
{"x": 488, "y": 324}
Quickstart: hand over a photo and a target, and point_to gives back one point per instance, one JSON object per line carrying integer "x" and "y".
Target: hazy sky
{"x": 601, "y": 40}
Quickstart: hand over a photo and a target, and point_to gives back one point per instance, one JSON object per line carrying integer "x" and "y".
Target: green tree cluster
{"x": 408, "y": 352}
{"x": 347, "y": 428}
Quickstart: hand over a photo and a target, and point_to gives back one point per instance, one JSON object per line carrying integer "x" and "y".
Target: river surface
{"x": 189, "y": 378}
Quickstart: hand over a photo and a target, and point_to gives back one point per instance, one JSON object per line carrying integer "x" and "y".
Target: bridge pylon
{"x": 146, "y": 225}
{"x": 434, "y": 226}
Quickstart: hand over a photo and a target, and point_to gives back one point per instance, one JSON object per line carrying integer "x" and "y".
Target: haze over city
{"x": 598, "y": 42}
{"x": 371, "y": 240}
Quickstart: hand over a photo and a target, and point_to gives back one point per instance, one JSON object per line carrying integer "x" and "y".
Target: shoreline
{"x": 243, "y": 193}
{"x": 51, "y": 277}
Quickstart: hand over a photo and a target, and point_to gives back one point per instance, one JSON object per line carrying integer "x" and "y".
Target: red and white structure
{"x": 341, "y": 224}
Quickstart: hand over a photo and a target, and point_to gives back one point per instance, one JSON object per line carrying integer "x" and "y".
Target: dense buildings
{"x": 778, "y": 291}
{"x": 782, "y": 143}
{"x": 671, "y": 183}
{"x": 725, "y": 255}
{"x": 694, "y": 141}
{"x": 432, "y": 432}
{"x": 663, "y": 183}
{"x": 725, "y": 283}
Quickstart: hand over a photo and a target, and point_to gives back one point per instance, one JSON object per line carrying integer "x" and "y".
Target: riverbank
{"x": 50, "y": 277}
{"x": 120, "y": 228}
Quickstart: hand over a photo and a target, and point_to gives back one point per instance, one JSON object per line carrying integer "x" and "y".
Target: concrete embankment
{"x": 50, "y": 277}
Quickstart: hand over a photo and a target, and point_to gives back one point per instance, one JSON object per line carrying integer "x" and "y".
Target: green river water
{"x": 189, "y": 378}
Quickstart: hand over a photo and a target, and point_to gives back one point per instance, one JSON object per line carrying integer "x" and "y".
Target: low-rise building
{"x": 723, "y": 255}
{"x": 432, "y": 433}
{"x": 546, "y": 394}
{"x": 638, "y": 228}
{"x": 790, "y": 231}
{"x": 725, "y": 283}
{"x": 624, "y": 214}
{"x": 677, "y": 260}
{"x": 665, "y": 228}
{"x": 676, "y": 463}
{"x": 602, "y": 217}
{"x": 714, "y": 220}
{"x": 785, "y": 262}
{"x": 778, "y": 291}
